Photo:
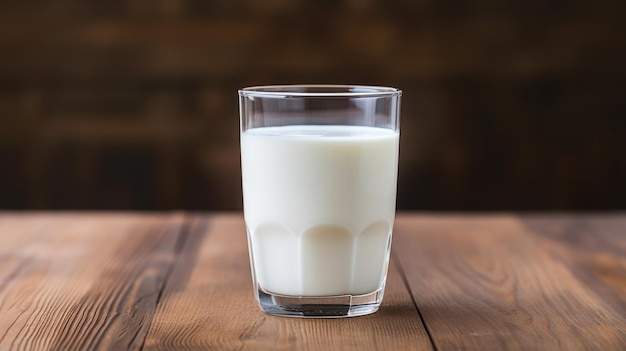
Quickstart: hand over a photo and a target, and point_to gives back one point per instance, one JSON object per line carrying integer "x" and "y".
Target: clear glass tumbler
{"x": 319, "y": 169}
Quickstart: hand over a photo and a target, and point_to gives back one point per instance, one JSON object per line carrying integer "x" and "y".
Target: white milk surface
{"x": 319, "y": 205}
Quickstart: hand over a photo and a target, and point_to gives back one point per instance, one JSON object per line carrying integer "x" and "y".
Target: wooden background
{"x": 132, "y": 104}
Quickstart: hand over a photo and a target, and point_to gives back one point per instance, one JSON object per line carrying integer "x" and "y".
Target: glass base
{"x": 319, "y": 307}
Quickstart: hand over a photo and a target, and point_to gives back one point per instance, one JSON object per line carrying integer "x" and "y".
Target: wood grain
{"x": 82, "y": 282}
{"x": 594, "y": 249}
{"x": 497, "y": 282}
{"x": 208, "y": 304}
{"x": 176, "y": 282}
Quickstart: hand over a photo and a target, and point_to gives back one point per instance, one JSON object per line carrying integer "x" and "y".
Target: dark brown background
{"x": 132, "y": 104}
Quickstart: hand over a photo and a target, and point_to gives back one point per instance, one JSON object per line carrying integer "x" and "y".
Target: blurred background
{"x": 132, "y": 104}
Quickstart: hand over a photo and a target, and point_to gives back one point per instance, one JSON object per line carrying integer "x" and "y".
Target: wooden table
{"x": 119, "y": 281}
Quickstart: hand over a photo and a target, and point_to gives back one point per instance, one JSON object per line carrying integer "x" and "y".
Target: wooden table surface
{"x": 118, "y": 281}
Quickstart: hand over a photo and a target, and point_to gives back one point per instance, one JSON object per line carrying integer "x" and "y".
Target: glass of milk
{"x": 319, "y": 169}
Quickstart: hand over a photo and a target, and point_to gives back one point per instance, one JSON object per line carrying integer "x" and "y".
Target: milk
{"x": 319, "y": 204}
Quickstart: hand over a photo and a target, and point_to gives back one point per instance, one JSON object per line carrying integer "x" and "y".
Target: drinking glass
{"x": 319, "y": 172}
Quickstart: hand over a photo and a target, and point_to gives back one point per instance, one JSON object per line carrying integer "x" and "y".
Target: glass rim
{"x": 319, "y": 90}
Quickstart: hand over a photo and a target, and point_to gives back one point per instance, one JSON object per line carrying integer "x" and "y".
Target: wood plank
{"x": 490, "y": 282}
{"x": 208, "y": 303}
{"x": 78, "y": 282}
{"x": 594, "y": 247}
